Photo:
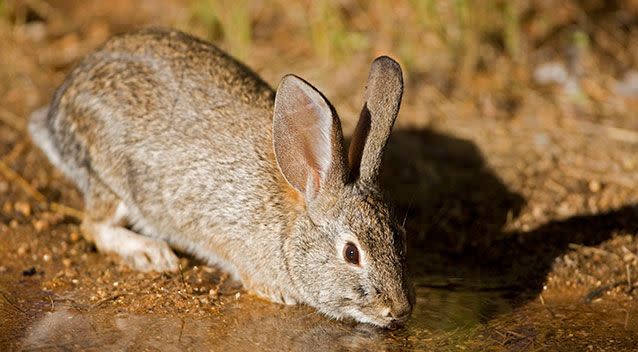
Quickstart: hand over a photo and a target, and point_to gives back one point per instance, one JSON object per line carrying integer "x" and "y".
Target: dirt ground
{"x": 518, "y": 182}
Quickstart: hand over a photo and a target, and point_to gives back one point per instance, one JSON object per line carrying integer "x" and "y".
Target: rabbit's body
{"x": 172, "y": 136}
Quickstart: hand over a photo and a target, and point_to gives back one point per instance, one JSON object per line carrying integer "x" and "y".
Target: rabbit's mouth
{"x": 377, "y": 317}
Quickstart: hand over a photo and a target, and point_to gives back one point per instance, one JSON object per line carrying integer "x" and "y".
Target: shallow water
{"x": 443, "y": 319}
{"x": 249, "y": 323}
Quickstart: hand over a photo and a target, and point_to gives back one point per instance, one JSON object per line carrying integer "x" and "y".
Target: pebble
{"x": 551, "y": 72}
{"x": 36, "y": 30}
{"x": 594, "y": 186}
{"x": 74, "y": 236}
{"x": 22, "y": 250}
{"x": 628, "y": 86}
{"x": 7, "y": 207}
{"x": 66, "y": 262}
{"x": 29, "y": 272}
{"x": 23, "y": 207}
{"x": 46, "y": 257}
{"x": 40, "y": 225}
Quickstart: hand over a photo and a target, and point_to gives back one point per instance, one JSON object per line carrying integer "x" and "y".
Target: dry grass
{"x": 339, "y": 30}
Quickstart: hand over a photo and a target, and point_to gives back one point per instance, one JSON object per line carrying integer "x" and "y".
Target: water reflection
{"x": 253, "y": 324}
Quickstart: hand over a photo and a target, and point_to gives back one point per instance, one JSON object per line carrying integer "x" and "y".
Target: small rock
{"x": 4, "y": 186}
{"x": 74, "y": 236}
{"x": 29, "y": 272}
{"x": 13, "y": 223}
{"x": 40, "y": 225}
{"x": 36, "y": 30}
{"x": 22, "y": 250}
{"x": 7, "y": 207}
{"x": 594, "y": 186}
{"x": 551, "y": 73}
{"x": 628, "y": 86}
{"x": 66, "y": 262}
{"x": 23, "y": 207}
{"x": 46, "y": 257}
{"x": 628, "y": 164}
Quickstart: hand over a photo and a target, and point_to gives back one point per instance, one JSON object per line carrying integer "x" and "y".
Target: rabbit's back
{"x": 179, "y": 131}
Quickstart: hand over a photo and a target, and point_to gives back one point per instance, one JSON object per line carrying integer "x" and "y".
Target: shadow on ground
{"x": 456, "y": 212}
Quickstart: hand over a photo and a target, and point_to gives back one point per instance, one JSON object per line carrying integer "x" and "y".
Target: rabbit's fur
{"x": 169, "y": 135}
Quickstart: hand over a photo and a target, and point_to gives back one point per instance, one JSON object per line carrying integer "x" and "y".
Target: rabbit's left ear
{"x": 380, "y": 108}
{"x": 307, "y": 138}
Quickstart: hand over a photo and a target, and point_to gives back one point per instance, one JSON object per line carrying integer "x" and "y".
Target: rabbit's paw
{"x": 141, "y": 252}
{"x": 148, "y": 254}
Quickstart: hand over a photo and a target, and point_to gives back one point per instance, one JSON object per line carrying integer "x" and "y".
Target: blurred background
{"x": 514, "y": 160}
{"x": 492, "y": 56}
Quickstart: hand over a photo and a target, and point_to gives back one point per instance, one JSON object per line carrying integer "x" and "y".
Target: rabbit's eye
{"x": 351, "y": 253}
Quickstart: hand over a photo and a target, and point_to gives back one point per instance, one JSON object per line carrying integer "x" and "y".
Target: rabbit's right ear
{"x": 307, "y": 138}
{"x": 380, "y": 108}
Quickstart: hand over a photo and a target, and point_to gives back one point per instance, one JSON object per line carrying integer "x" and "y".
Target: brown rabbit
{"x": 167, "y": 134}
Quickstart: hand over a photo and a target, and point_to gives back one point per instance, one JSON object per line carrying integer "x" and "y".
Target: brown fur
{"x": 193, "y": 149}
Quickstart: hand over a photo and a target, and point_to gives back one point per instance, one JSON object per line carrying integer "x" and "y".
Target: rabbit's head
{"x": 346, "y": 254}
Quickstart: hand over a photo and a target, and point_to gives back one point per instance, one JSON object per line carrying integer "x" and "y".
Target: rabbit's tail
{"x": 42, "y": 137}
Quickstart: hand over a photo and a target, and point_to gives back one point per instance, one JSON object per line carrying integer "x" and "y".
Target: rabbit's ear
{"x": 380, "y": 108}
{"x": 307, "y": 137}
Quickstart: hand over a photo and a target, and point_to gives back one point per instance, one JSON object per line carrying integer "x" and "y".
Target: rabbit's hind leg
{"x": 105, "y": 226}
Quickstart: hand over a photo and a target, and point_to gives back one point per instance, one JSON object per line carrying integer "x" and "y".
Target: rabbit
{"x": 175, "y": 144}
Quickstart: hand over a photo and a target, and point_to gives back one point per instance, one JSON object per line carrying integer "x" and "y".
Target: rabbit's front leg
{"x": 104, "y": 225}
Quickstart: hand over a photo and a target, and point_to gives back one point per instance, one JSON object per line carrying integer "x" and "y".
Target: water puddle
{"x": 249, "y": 323}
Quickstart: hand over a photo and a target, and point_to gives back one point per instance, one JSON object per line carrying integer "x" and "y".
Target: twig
{"x": 11, "y": 175}
{"x": 26, "y": 187}
{"x": 587, "y": 249}
{"x": 628, "y": 252}
{"x": 51, "y": 300}
{"x": 181, "y": 274}
{"x": 617, "y": 133}
{"x": 66, "y": 210}
{"x": 516, "y": 334}
{"x": 181, "y": 330}
{"x": 11, "y": 303}
{"x": 14, "y": 153}
{"x": 597, "y": 293}
{"x": 111, "y": 298}
{"x": 12, "y": 120}
{"x": 551, "y": 312}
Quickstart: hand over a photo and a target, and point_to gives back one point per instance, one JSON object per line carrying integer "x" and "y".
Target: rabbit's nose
{"x": 400, "y": 312}
{"x": 398, "y": 318}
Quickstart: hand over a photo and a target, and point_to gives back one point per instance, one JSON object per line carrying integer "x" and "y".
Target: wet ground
{"x": 520, "y": 197}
